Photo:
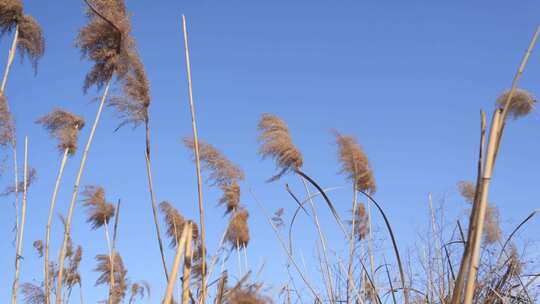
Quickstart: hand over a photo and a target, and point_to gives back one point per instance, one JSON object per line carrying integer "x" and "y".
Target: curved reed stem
{"x": 394, "y": 245}
{"x": 46, "y": 282}
{"x": 533, "y": 213}
{"x": 74, "y": 196}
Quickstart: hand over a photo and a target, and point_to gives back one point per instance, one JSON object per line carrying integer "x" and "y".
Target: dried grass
{"x": 65, "y": 127}
{"x": 231, "y": 197}
{"x": 30, "y": 41}
{"x": 238, "y": 230}
{"x": 105, "y": 40}
{"x": 73, "y": 276}
{"x": 355, "y": 164}
{"x": 175, "y": 222}
{"x": 276, "y": 143}
{"x": 38, "y": 245}
{"x": 361, "y": 222}
{"x": 521, "y": 104}
{"x": 119, "y": 275}
{"x": 31, "y": 178}
{"x": 249, "y": 294}
{"x": 33, "y": 294}
{"x": 99, "y": 210}
{"x": 467, "y": 190}
{"x": 222, "y": 170}
{"x": 7, "y": 127}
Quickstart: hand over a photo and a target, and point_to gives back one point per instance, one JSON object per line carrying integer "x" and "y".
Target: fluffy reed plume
{"x": 521, "y": 103}
{"x": 30, "y": 41}
{"x": 33, "y": 294}
{"x": 133, "y": 105}
{"x": 119, "y": 275}
{"x": 73, "y": 276}
{"x": 222, "y": 170}
{"x": 175, "y": 222}
{"x": 99, "y": 210}
{"x": 65, "y": 127}
{"x": 231, "y": 197}
{"x": 32, "y": 176}
{"x": 138, "y": 289}
{"x": 249, "y": 294}
{"x": 492, "y": 228}
{"x": 238, "y": 230}
{"x": 276, "y": 143}
{"x": 467, "y": 190}
{"x": 38, "y": 245}
{"x": 361, "y": 222}
{"x": 106, "y": 41}
{"x": 355, "y": 164}
{"x": 7, "y": 127}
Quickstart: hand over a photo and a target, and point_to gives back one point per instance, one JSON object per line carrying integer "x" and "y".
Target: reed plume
{"x": 7, "y": 127}
{"x": 467, "y": 190}
{"x": 104, "y": 267}
{"x": 29, "y": 38}
{"x": 355, "y": 164}
{"x": 276, "y": 143}
{"x": 65, "y": 127}
{"x": 249, "y": 294}
{"x": 32, "y": 294}
{"x": 30, "y": 179}
{"x": 238, "y": 230}
{"x": 99, "y": 210}
{"x": 138, "y": 289}
{"x": 231, "y": 197}
{"x": 361, "y": 222}
{"x": 175, "y": 222}
{"x": 521, "y": 104}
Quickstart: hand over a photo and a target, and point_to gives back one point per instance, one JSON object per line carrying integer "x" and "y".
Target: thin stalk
{"x": 322, "y": 239}
{"x": 154, "y": 209}
{"x": 351, "y": 243}
{"x": 394, "y": 245}
{"x": 478, "y": 225}
{"x": 458, "y": 285}
{"x": 197, "y": 161}
{"x": 187, "y": 270}
{"x": 48, "y": 228}
{"x": 176, "y": 263}
{"x": 111, "y": 261}
{"x": 74, "y": 196}
{"x": 11, "y": 57}
{"x": 21, "y": 232}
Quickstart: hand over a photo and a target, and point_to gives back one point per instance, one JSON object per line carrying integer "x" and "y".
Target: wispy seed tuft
{"x": 238, "y": 230}
{"x": 99, "y": 211}
{"x": 355, "y": 164}
{"x": 65, "y": 127}
{"x": 521, "y": 104}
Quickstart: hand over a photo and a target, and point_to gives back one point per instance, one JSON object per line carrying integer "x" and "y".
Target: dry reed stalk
{"x": 197, "y": 164}
{"x": 498, "y": 124}
{"x": 154, "y": 212}
{"x": 75, "y": 194}
{"x": 180, "y": 249}
{"x": 284, "y": 247}
{"x": 186, "y": 274}
{"x": 18, "y": 255}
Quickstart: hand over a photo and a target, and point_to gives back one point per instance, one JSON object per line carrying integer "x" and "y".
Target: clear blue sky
{"x": 407, "y": 79}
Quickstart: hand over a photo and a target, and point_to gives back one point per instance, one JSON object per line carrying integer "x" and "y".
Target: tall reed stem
{"x": 48, "y": 228}
{"x": 176, "y": 263}
{"x": 153, "y": 200}
{"x": 11, "y": 57}
{"x": 351, "y": 244}
{"x": 75, "y": 194}
{"x": 21, "y": 232}
{"x": 186, "y": 275}
{"x": 197, "y": 162}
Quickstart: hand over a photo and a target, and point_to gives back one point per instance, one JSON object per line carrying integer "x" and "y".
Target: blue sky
{"x": 407, "y": 79}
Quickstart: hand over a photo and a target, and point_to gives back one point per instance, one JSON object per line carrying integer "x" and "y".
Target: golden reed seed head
{"x": 7, "y": 127}
{"x": 276, "y": 143}
{"x": 249, "y": 294}
{"x": 231, "y": 197}
{"x": 99, "y": 211}
{"x": 30, "y": 41}
{"x": 521, "y": 104}
{"x": 238, "y": 230}
{"x": 106, "y": 42}
{"x": 103, "y": 267}
{"x": 174, "y": 220}
{"x": 467, "y": 190}
{"x": 65, "y": 127}
{"x": 361, "y": 222}
{"x": 355, "y": 164}
{"x": 222, "y": 170}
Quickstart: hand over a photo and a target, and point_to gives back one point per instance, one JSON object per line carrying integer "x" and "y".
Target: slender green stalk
{"x": 74, "y": 195}
{"x": 46, "y": 281}
{"x": 197, "y": 163}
